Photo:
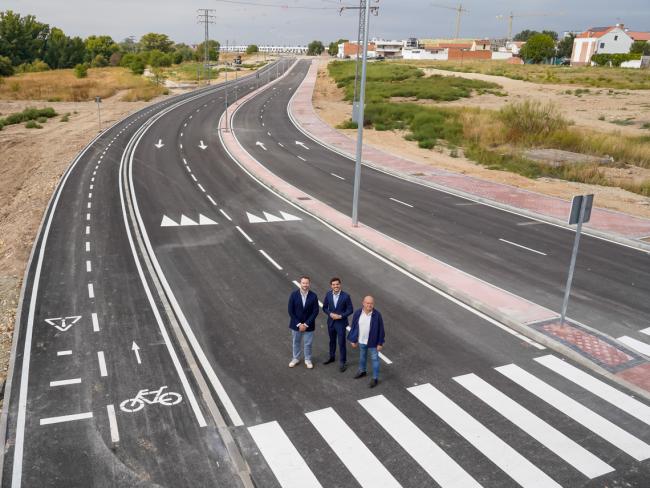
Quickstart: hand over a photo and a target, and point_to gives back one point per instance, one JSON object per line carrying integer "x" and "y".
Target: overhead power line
{"x": 277, "y": 5}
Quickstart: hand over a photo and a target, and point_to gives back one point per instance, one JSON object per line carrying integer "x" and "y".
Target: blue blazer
{"x": 376, "y": 335}
{"x": 343, "y": 308}
{"x": 303, "y": 315}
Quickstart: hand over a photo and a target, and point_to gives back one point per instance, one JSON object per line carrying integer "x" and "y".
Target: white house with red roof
{"x": 607, "y": 40}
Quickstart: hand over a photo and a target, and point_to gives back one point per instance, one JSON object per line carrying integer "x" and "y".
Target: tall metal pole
{"x": 206, "y": 17}
{"x": 362, "y": 97}
{"x": 226, "y": 95}
{"x": 361, "y": 29}
{"x": 460, "y": 11}
{"x": 574, "y": 253}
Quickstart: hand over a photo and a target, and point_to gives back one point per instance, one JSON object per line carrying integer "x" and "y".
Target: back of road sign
{"x": 576, "y": 203}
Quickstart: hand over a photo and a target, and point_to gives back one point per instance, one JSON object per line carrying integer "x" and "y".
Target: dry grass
{"x": 63, "y": 86}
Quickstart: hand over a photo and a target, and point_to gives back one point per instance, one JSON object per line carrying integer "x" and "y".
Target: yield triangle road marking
{"x": 63, "y": 323}
{"x": 271, "y": 218}
{"x": 287, "y": 216}
{"x": 187, "y": 221}
{"x": 167, "y": 222}
{"x": 254, "y": 219}
{"x": 203, "y": 220}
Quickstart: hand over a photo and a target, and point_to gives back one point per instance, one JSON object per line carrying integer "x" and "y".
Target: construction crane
{"x": 459, "y": 11}
{"x": 513, "y": 15}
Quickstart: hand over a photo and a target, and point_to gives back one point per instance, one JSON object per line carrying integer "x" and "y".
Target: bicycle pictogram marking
{"x": 150, "y": 397}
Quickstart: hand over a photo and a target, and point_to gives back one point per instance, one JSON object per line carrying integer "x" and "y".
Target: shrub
{"x": 31, "y": 124}
{"x": 99, "y": 61}
{"x": 6, "y": 69}
{"x": 65, "y": 118}
{"x": 531, "y": 120}
{"x": 81, "y": 70}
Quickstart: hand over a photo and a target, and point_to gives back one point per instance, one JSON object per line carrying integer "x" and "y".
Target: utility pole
{"x": 459, "y": 11}
{"x": 205, "y": 17}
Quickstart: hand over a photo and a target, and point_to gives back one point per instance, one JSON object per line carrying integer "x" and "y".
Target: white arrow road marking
{"x": 288, "y": 216}
{"x": 136, "y": 349}
{"x": 203, "y": 220}
{"x": 203, "y": 146}
{"x": 167, "y": 222}
{"x": 187, "y": 221}
{"x": 160, "y": 144}
{"x": 299, "y": 143}
{"x": 258, "y": 143}
{"x": 63, "y": 323}
{"x": 271, "y": 218}
{"x": 254, "y": 219}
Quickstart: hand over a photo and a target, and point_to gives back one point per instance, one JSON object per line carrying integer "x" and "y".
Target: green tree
{"x": 251, "y": 49}
{"x": 103, "y": 45}
{"x": 333, "y": 49}
{"x": 128, "y": 45}
{"x": 6, "y": 69}
{"x": 99, "y": 61}
{"x": 315, "y": 48}
{"x": 62, "y": 51}
{"x": 637, "y": 47}
{"x": 81, "y": 70}
{"x": 565, "y": 46}
{"x": 524, "y": 35}
{"x": 213, "y": 51}
{"x": 153, "y": 41}
{"x": 22, "y": 39}
{"x": 134, "y": 62}
{"x": 552, "y": 34}
{"x": 158, "y": 58}
{"x": 538, "y": 48}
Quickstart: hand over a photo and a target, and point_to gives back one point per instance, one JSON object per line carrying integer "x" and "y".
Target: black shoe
{"x": 330, "y": 360}
{"x": 342, "y": 368}
{"x": 360, "y": 374}
{"x": 373, "y": 383}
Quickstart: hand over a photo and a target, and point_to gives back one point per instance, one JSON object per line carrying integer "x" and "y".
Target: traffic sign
{"x": 576, "y": 205}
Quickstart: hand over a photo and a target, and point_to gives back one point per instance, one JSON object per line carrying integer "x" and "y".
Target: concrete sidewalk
{"x": 609, "y": 224}
{"x": 584, "y": 345}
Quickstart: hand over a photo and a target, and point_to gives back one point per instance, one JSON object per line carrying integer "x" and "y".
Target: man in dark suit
{"x": 338, "y": 307}
{"x": 303, "y": 309}
{"x": 367, "y": 332}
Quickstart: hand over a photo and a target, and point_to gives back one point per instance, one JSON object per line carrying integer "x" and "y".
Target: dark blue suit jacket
{"x": 343, "y": 308}
{"x": 303, "y": 315}
{"x": 376, "y": 335}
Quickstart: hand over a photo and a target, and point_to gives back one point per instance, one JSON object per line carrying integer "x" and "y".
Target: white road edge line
{"x": 112, "y": 423}
{"x": 243, "y": 233}
{"x": 523, "y": 247}
{"x": 71, "y": 381}
{"x": 65, "y": 418}
{"x": 102, "y": 363}
{"x": 400, "y": 201}
{"x": 271, "y": 260}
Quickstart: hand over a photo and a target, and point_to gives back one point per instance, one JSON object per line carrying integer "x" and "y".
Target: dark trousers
{"x": 337, "y": 334}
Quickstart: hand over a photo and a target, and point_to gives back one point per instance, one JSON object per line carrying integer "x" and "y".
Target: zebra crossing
{"x": 436, "y": 458}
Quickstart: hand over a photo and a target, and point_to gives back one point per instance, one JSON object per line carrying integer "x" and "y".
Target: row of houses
{"x": 616, "y": 39}
{"x": 270, "y": 48}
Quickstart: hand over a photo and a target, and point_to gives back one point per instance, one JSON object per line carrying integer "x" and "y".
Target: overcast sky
{"x": 397, "y": 19}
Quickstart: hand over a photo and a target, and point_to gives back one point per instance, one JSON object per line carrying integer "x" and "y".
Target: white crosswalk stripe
{"x": 599, "y": 388}
{"x": 442, "y": 468}
{"x": 283, "y": 458}
{"x": 613, "y": 434}
{"x": 510, "y": 461}
{"x": 637, "y": 345}
{"x": 362, "y": 463}
{"x": 554, "y": 440}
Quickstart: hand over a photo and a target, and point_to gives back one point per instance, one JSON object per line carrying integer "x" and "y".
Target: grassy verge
{"x": 63, "y": 86}
{"x": 32, "y": 116}
{"x": 589, "y": 76}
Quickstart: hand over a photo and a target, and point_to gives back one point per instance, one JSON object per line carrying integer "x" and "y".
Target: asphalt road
{"x": 207, "y": 306}
{"x": 611, "y": 284}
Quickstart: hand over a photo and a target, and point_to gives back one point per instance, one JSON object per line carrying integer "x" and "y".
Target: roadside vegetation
{"x": 32, "y": 116}
{"x": 495, "y": 139}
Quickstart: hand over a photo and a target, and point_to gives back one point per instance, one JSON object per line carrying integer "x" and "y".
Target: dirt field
{"x": 584, "y": 110}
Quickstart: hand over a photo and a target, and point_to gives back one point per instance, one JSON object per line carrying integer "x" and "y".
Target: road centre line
{"x": 189, "y": 170}
{"x": 223, "y": 212}
{"x": 193, "y": 177}
{"x": 400, "y": 201}
{"x": 211, "y": 200}
{"x": 65, "y": 418}
{"x": 89, "y": 205}
{"x": 200, "y": 186}
{"x": 90, "y": 195}
{"x": 64, "y": 353}
{"x": 271, "y": 260}
{"x": 102, "y": 363}
{"x": 88, "y": 243}
{"x": 87, "y": 216}
{"x": 87, "y": 229}
{"x": 72, "y": 381}
{"x": 243, "y": 233}
{"x": 112, "y": 423}
{"x": 95, "y": 322}
{"x": 523, "y": 247}
{"x": 88, "y": 266}
{"x": 337, "y": 176}
{"x": 91, "y": 291}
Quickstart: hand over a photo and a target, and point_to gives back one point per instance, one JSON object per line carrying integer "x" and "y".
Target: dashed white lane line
{"x": 301, "y": 158}
{"x": 243, "y": 233}
{"x": 280, "y": 144}
{"x": 193, "y": 177}
{"x": 271, "y": 260}
{"x": 87, "y": 216}
{"x": 92, "y": 186}
{"x": 91, "y": 291}
{"x": 88, "y": 266}
{"x": 189, "y": 170}
{"x": 212, "y": 201}
{"x": 181, "y": 146}
{"x": 268, "y": 133}
{"x": 90, "y": 195}
{"x": 66, "y": 418}
{"x": 401, "y": 202}
{"x": 223, "y": 212}
{"x": 337, "y": 176}
{"x": 87, "y": 229}
{"x": 88, "y": 243}
{"x": 71, "y": 381}
{"x": 102, "y": 363}
{"x": 523, "y": 247}
{"x": 89, "y": 205}
{"x": 64, "y": 353}
{"x": 200, "y": 187}
{"x": 112, "y": 423}
{"x": 181, "y": 134}
{"x": 95, "y": 322}
{"x": 185, "y": 161}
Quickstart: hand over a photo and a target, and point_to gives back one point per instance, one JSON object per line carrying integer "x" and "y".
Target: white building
{"x": 388, "y": 49}
{"x": 606, "y": 40}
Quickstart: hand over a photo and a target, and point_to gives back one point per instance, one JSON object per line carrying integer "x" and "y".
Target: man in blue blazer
{"x": 367, "y": 332}
{"x": 338, "y": 307}
{"x": 303, "y": 309}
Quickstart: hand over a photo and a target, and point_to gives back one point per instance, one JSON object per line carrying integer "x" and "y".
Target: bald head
{"x": 368, "y": 304}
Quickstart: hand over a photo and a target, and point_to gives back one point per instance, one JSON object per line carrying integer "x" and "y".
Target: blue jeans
{"x": 374, "y": 358}
{"x": 296, "y": 337}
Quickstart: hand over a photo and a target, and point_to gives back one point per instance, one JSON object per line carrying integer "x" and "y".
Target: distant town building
{"x": 606, "y": 40}
{"x": 388, "y": 49}
{"x": 348, "y": 49}
{"x": 271, "y": 49}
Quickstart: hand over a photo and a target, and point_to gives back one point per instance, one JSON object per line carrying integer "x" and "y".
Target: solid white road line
{"x": 635, "y": 344}
{"x": 337, "y": 176}
{"x": 599, "y": 388}
{"x": 66, "y": 418}
{"x": 71, "y": 381}
{"x": 442, "y": 468}
{"x": 400, "y": 201}
{"x": 64, "y": 353}
{"x": 88, "y": 243}
{"x": 600, "y": 426}
{"x": 243, "y": 233}
{"x": 364, "y": 466}
{"x": 548, "y": 436}
{"x": 212, "y": 201}
{"x": 88, "y": 266}
{"x": 531, "y": 222}
{"x": 223, "y": 212}
{"x": 112, "y": 423}
{"x": 95, "y": 322}
{"x": 271, "y": 260}
{"x": 523, "y": 247}
{"x": 91, "y": 291}
{"x": 102, "y": 363}
{"x": 282, "y": 457}
{"x": 505, "y": 457}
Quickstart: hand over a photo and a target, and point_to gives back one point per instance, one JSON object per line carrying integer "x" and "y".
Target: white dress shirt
{"x": 364, "y": 327}
{"x": 304, "y": 297}
{"x": 335, "y": 298}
